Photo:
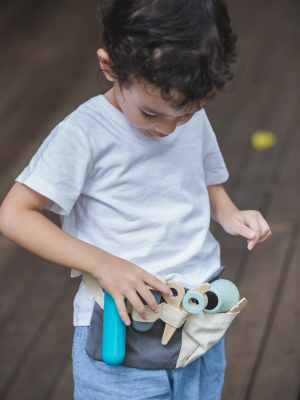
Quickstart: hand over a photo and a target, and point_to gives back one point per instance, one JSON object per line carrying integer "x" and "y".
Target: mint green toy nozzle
{"x": 222, "y": 295}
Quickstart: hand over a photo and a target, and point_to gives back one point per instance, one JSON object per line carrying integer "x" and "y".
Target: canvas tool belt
{"x": 194, "y": 334}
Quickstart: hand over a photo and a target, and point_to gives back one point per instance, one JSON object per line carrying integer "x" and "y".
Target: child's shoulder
{"x": 88, "y": 123}
{"x": 87, "y": 116}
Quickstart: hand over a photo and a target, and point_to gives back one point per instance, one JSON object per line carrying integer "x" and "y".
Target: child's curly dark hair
{"x": 186, "y": 45}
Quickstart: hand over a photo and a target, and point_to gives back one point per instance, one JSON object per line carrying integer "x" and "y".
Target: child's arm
{"x": 250, "y": 224}
{"x": 21, "y": 221}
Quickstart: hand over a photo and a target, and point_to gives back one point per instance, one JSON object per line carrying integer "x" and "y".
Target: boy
{"x": 135, "y": 175}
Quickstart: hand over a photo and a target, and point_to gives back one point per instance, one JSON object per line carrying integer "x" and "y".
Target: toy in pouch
{"x": 146, "y": 326}
{"x": 175, "y": 302}
{"x": 114, "y": 333}
{"x": 198, "y": 294}
{"x": 215, "y": 297}
{"x": 222, "y": 296}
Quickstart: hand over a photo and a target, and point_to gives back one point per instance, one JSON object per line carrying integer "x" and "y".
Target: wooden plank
{"x": 51, "y": 346}
{"x": 261, "y": 98}
{"x": 247, "y": 189}
{"x": 260, "y": 170}
{"x": 63, "y": 386}
{"x": 256, "y": 169}
{"x": 14, "y": 13}
{"x": 247, "y": 192}
{"x": 258, "y": 92}
{"x": 46, "y": 23}
{"x": 258, "y": 286}
{"x": 280, "y": 341}
{"x": 16, "y": 281}
{"x": 234, "y": 131}
{"x": 278, "y": 371}
{"x": 63, "y": 68}
{"x": 28, "y": 53}
{"x": 60, "y": 57}
{"x": 12, "y": 141}
{"x": 7, "y": 248}
{"x": 17, "y": 274}
{"x": 285, "y": 188}
{"x": 248, "y": 86}
{"x": 29, "y": 316}
{"x": 251, "y": 48}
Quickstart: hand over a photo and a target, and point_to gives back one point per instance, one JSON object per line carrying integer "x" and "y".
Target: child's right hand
{"x": 123, "y": 279}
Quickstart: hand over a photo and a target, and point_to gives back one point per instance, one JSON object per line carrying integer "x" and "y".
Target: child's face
{"x": 148, "y": 112}
{"x": 145, "y": 109}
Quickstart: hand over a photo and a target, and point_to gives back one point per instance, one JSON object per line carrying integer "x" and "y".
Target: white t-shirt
{"x": 138, "y": 197}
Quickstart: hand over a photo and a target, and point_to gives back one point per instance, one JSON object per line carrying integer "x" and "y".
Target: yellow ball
{"x": 262, "y": 140}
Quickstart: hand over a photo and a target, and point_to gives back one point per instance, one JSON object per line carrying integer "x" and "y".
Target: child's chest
{"x": 140, "y": 174}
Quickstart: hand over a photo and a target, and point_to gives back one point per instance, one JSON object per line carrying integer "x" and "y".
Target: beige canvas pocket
{"x": 200, "y": 332}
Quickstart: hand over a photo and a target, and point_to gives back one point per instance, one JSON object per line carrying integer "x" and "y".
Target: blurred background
{"x": 48, "y": 67}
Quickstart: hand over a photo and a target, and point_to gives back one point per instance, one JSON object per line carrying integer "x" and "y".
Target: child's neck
{"x": 110, "y": 95}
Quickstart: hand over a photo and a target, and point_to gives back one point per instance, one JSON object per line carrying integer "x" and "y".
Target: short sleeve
{"x": 60, "y": 167}
{"x": 215, "y": 171}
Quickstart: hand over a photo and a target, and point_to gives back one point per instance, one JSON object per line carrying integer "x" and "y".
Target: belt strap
{"x": 167, "y": 313}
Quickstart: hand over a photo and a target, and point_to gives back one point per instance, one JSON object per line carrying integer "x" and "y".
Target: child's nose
{"x": 166, "y": 129}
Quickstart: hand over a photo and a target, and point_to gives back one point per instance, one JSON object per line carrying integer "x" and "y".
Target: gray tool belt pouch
{"x": 194, "y": 335}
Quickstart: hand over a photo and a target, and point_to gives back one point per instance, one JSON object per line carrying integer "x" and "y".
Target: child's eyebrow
{"x": 152, "y": 111}
{"x": 155, "y": 112}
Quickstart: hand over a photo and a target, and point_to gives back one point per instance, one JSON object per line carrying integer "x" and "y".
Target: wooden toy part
{"x": 175, "y": 302}
{"x": 128, "y": 307}
{"x": 202, "y": 290}
{"x": 239, "y": 306}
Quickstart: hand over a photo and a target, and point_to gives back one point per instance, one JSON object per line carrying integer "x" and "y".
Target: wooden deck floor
{"x": 48, "y": 67}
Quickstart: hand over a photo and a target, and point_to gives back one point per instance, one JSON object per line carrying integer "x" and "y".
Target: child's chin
{"x": 145, "y": 132}
{"x": 149, "y": 133}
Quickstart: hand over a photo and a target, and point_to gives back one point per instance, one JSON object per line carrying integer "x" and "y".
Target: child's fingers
{"x": 263, "y": 232}
{"x": 121, "y": 307}
{"x": 265, "y": 228}
{"x": 245, "y": 231}
{"x": 265, "y": 237}
{"x": 255, "y": 225}
{"x": 157, "y": 284}
{"x": 251, "y": 243}
{"x": 148, "y": 297}
{"x": 138, "y": 304}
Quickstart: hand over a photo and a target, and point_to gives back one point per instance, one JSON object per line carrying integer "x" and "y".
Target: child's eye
{"x": 148, "y": 116}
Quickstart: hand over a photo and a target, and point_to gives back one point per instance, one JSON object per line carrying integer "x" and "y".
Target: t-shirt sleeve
{"x": 215, "y": 171}
{"x": 60, "y": 167}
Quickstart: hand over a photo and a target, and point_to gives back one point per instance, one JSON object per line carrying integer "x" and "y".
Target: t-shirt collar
{"x": 119, "y": 118}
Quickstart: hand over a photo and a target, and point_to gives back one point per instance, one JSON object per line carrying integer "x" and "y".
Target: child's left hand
{"x": 250, "y": 224}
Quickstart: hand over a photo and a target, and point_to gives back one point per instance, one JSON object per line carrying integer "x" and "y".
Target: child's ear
{"x": 105, "y": 64}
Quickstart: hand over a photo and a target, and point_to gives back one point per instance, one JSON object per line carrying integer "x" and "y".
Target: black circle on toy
{"x": 212, "y": 300}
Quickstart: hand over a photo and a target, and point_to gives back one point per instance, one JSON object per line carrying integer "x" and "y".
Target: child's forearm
{"x": 36, "y": 233}
{"x": 220, "y": 203}
{"x": 22, "y": 222}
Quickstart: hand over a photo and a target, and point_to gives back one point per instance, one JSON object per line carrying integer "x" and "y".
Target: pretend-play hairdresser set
{"x": 187, "y": 325}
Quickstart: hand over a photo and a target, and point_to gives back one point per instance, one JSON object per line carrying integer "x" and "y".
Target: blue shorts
{"x": 94, "y": 380}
